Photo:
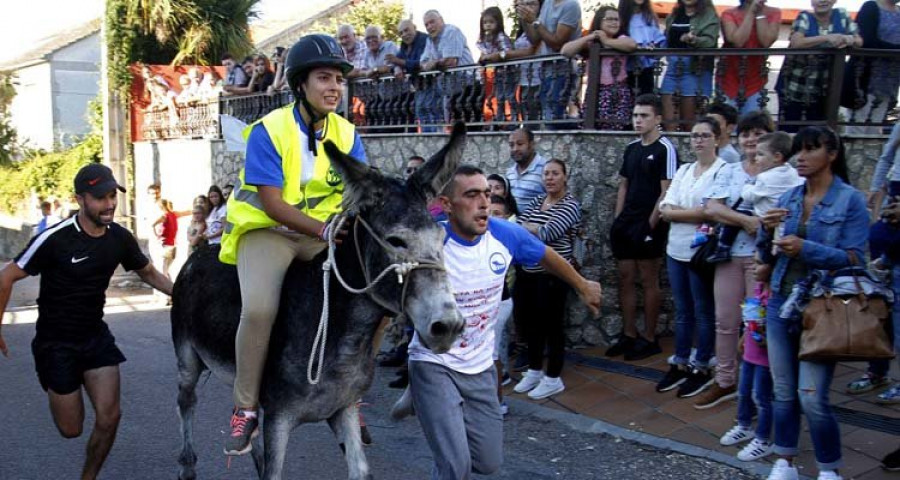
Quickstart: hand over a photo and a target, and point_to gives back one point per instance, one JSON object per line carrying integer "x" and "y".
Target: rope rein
{"x": 402, "y": 269}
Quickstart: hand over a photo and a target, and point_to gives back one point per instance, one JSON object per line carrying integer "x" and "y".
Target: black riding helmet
{"x": 312, "y": 51}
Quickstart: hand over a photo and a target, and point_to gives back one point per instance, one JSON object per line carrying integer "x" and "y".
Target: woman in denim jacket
{"x": 815, "y": 226}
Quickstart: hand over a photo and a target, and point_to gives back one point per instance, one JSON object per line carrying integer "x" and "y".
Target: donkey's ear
{"x": 358, "y": 177}
{"x": 431, "y": 177}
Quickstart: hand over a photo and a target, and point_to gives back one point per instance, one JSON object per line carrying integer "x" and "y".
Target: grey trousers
{"x": 461, "y": 419}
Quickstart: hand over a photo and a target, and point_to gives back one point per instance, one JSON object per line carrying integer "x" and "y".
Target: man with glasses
{"x": 354, "y": 50}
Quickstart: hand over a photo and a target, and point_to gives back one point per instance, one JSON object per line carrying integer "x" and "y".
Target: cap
{"x": 96, "y": 179}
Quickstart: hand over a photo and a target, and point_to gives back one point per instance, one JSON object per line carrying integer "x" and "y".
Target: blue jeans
{"x": 755, "y": 393}
{"x": 429, "y": 107}
{"x": 554, "y": 95}
{"x": 694, "y": 307}
{"x": 800, "y": 385}
{"x": 750, "y": 104}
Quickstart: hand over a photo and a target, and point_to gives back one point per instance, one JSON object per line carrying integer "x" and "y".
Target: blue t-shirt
{"x": 263, "y": 163}
{"x": 477, "y": 271}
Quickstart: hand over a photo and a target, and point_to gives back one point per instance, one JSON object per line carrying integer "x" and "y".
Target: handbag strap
{"x": 854, "y": 262}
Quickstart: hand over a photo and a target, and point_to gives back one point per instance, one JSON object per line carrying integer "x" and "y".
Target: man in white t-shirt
{"x": 455, "y": 394}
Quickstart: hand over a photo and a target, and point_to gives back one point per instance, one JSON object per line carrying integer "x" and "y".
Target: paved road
{"x": 538, "y": 445}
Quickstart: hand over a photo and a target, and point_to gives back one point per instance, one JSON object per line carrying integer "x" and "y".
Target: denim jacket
{"x": 837, "y": 225}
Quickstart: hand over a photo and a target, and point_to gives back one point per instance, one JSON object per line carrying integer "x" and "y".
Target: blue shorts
{"x": 685, "y": 76}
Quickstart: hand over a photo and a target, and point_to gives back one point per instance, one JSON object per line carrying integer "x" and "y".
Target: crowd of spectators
{"x": 551, "y": 90}
{"x": 782, "y": 207}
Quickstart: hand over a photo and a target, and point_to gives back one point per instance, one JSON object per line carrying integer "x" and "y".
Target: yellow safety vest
{"x": 320, "y": 198}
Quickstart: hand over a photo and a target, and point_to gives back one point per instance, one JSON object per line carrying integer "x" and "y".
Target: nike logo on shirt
{"x": 78, "y": 260}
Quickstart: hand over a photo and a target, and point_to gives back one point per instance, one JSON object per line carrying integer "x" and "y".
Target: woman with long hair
{"x": 215, "y": 219}
{"x": 692, "y": 291}
{"x": 822, "y": 225}
{"x": 614, "y": 98}
{"x": 539, "y": 299}
{"x": 638, "y": 21}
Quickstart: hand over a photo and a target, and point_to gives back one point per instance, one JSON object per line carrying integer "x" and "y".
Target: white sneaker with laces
{"x": 547, "y": 387}
{"x": 736, "y": 435}
{"x": 782, "y": 470}
{"x": 530, "y": 380}
{"x": 755, "y": 450}
{"x": 829, "y": 475}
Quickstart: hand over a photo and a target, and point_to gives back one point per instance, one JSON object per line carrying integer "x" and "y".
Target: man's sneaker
{"x": 829, "y": 475}
{"x": 891, "y": 461}
{"x": 548, "y": 387}
{"x": 890, "y": 396}
{"x": 782, "y": 470}
{"x": 642, "y": 349}
{"x": 721, "y": 255}
{"x": 736, "y": 435}
{"x": 404, "y": 406}
{"x": 530, "y": 380}
{"x": 714, "y": 396}
{"x": 506, "y": 380}
{"x": 676, "y": 375}
{"x": 244, "y": 427}
{"x": 696, "y": 383}
{"x": 621, "y": 347}
{"x": 755, "y": 450}
{"x": 504, "y": 408}
{"x": 867, "y": 383}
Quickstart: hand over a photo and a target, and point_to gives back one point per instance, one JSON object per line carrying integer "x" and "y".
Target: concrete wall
{"x": 594, "y": 159}
{"x": 32, "y": 107}
{"x": 75, "y": 75}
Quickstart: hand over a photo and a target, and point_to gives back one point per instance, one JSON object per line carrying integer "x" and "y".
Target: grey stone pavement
{"x": 539, "y": 443}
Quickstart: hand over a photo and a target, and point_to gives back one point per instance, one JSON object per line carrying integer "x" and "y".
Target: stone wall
{"x": 594, "y": 159}
{"x": 14, "y": 236}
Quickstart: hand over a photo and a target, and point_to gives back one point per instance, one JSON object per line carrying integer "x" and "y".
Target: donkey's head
{"x": 397, "y": 213}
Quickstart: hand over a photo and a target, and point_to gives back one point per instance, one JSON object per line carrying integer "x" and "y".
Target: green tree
{"x": 9, "y": 147}
{"x": 385, "y": 13}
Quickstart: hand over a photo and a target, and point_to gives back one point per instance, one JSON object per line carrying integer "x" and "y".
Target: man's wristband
{"x": 760, "y": 17}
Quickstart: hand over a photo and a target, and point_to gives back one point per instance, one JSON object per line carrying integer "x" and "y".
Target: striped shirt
{"x": 529, "y": 184}
{"x": 558, "y": 225}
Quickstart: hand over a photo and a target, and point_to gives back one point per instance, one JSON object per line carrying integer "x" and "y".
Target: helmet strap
{"x": 314, "y": 118}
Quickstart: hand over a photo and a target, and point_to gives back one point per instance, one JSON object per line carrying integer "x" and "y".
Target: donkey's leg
{"x": 189, "y": 369}
{"x": 345, "y": 425}
{"x": 276, "y": 433}
{"x": 258, "y": 454}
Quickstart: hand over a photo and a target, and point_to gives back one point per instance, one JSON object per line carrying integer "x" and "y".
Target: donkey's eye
{"x": 396, "y": 242}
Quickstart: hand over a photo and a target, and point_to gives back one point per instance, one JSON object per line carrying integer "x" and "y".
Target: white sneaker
{"x": 404, "y": 406}
{"x": 782, "y": 470}
{"x": 504, "y": 408}
{"x": 547, "y": 387}
{"x": 755, "y": 450}
{"x": 829, "y": 475}
{"x": 736, "y": 435}
{"x": 530, "y": 380}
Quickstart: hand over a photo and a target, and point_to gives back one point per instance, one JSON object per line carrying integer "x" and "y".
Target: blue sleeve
{"x": 526, "y": 249}
{"x": 263, "y": 164}
{"x": 853, "y": 237}
{"x": 358, "y": 152}
{"x": 888, "y": 157}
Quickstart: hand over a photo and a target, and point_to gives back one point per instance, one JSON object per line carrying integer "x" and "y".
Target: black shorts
{"x": 61, "y": 365}
{"x": 632, "y": 239}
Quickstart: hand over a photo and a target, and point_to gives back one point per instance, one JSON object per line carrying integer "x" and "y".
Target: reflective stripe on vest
{"x": 320, "y": 198}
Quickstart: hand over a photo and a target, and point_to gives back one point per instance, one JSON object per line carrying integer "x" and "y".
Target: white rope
{"x": 402, "y": 270}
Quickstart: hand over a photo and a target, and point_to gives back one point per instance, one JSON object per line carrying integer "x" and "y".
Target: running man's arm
{"x": 10, "y": 274}
{"x": 588, "y": 291}
{"x": 150, "y": 275}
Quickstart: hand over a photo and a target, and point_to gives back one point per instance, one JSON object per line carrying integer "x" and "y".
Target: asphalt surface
{"x": 539, "y": 443}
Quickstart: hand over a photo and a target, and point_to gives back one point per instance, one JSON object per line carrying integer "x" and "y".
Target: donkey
{"x": 396, "y": 228}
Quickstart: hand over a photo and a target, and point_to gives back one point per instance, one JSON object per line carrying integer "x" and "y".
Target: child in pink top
{"x": 755, "y": 387}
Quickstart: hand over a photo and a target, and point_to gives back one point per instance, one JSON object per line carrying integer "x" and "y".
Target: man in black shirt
{"x": 73, "y": 346}
{"x": 637, "y": 236}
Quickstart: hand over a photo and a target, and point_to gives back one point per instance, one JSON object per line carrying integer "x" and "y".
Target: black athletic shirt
{"x": 645, "y": 166}
{"x": 75, "y": 270}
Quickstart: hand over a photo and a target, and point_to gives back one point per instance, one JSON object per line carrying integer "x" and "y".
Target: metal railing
{"x": 596, "y": 93}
